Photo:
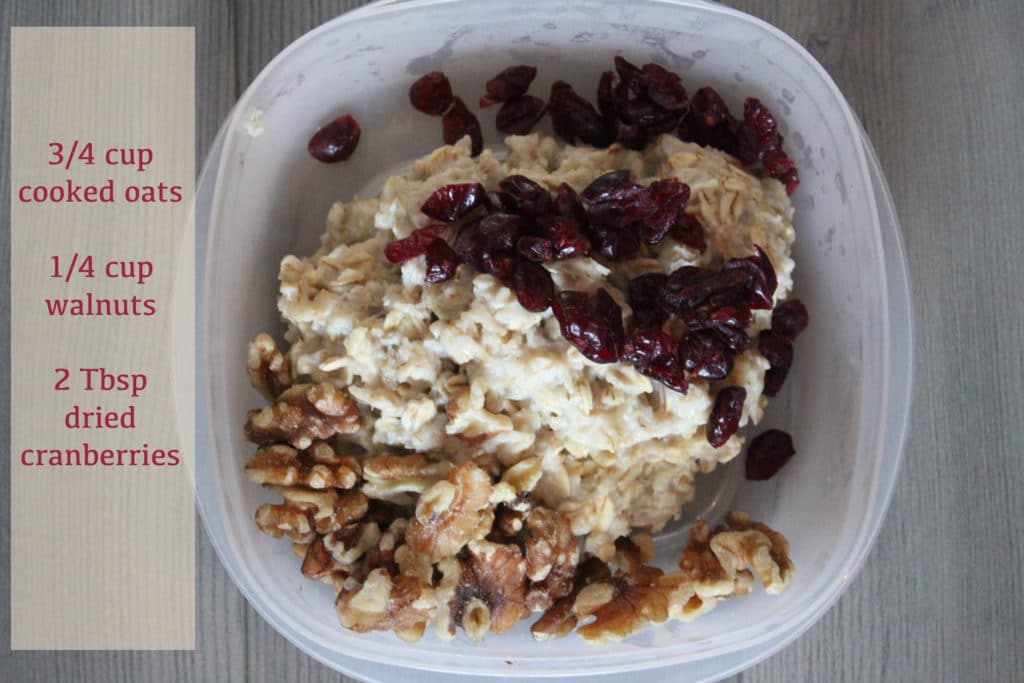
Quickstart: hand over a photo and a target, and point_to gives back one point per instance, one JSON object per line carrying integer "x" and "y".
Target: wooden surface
{"x": 939, "y": 88}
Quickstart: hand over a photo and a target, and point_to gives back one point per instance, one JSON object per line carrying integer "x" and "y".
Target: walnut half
{"x": 304, "y": 513}
{"x": 318, "y": 467}
{"x": 451, "y": 513}
{"x": 483, "y": 591}
{"x": 631, "y": 600}
{"x": 403, "y": 604}
{"x": 552, "y": 554}
{"x": 269, "y": 369}
{"x": 302, "y": 414}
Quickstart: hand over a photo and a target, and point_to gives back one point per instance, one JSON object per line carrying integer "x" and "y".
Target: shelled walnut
{"x": 400, "y": 478}
{"x": 552, "y": 554}
{"x": 403, "y": 604}
{"x": 301, "y": 414}
{"x": 451, "y": 513}
{"x": 318, "y": 467}
{"x": 483, "y": 591}
{"x": 269, "y": 370}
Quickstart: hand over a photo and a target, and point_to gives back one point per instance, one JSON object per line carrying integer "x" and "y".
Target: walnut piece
{"x": 390, "y": 477}
{"x": 715, "y": 566}
{"x": 631, "y": 600}
{"x": 516, "y": 484}
{"x": 302, "y": 414}
{"x": 383, "y": 554}
{"x": 559, "y": 620}
{"x": 403, "y": 604}
{"x": 552, "y": 554}
{"x": 508, "y": 524}
{"x": 483, "y": 591}
{"x": 699, "y": 562}
{"x": 269, "y": 370}
{"x": 351, "y": 542}
{"x": 306, "y": 513}
{"x": 746, "y": 543}
{"x": 451, "y": 513}
{"x": 293, "y": 521}
{"x": 317, "y": 562}
{"x": 318, "y": 467}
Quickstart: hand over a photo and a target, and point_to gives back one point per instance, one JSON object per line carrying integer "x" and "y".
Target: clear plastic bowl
{"x": 844, "y": 403}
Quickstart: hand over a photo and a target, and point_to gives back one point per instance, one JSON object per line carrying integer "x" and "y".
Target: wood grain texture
{"x": 938, "y": 86}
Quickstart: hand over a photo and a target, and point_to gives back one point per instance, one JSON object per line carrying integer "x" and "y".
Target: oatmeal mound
{"x": 445, "y": 456}
{"x": 461, "y": 370}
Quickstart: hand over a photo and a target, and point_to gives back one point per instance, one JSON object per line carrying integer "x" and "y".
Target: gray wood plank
{"x": 937, "y": 88}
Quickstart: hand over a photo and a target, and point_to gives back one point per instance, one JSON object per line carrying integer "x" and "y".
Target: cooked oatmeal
{"x": 460, "y": 370}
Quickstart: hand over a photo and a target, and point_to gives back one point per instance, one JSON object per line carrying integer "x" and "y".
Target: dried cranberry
{"x": 644, "y": 295}
{"x": 568, "y": 204}
{"x": 778, "y": 351}
{"x": 519, "y": 115}
{"x": 735, "y": 338}
{"x": 593, "y": 324}
{"x": 689, "y": 231}
{"x": 644, "y": 103}
{"x": 665, "y": 88}
{"x": 708, "y": 122}
{"x": 667, "y": 197}
{"x": 613, "y": 199}
{"x": 725, "y": 415}
{"x": 537, "y": 249}
{"x": 605, "y": 99}
{"x": 631, "y": 135}
{"x": 500, "y": 264}
{"x": 653, "y": 353}
{"x": 511, "y": 83}
{"x": 501, "y": 231}
{"x": 617, "y": 244}
{"x": 774, "y": 378}
{"x": 501, "y": 202}
{"x": 471, "y": 244}
{"x": 609, "y": 187}
{"x": 441, "y": 262}
{"x": 631, "y": 75}
{"x": 759, "y": 141}
{"x": 762, "y": 281}
{"x": 458, "y": 122}
{"x": 704, "y": 354}
{"x": 690, "y": 286}
{"x": 758, "y": 131}
{"x": 413, "y": 245}
{"x": 534, "y": 286}
{"x": 717, "y": 313}
{"x": 529, "y": 198}
{"x": 574, "y": 118}
{"x": 449, "y": 203}
{"x": 710, "y": 108}
{"x": 645, "y": 344}
{"x": 728, "y": 321}
{"x": 431, "y": 94}
{"x": 653, "y": 119}
{"x": 669, "y": 372}
{"x": 782, "y": 168}
{"x": 790, "y": 318}
{"x": 336, "y": 141}
{"x": 566, "y": 237}
{"x": 767, "y": 453}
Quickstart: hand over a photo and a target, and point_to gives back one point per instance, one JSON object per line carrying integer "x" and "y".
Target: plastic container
{"x": 845, "y": 402}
